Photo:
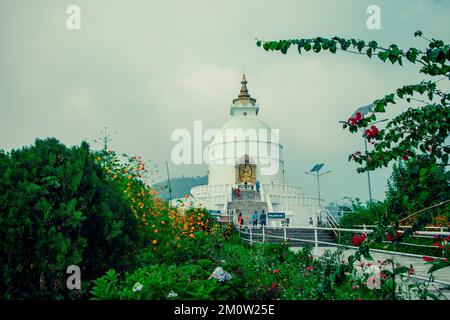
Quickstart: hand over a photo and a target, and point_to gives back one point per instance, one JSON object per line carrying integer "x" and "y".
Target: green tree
{"x": 58, "y": 209}
{"x": 416, "y": 184}
{"x": 421, "y": 130}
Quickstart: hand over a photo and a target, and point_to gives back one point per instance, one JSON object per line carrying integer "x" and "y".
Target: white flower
{"x": 220, "y": 275}
{"x": 137, "y": 287}
{"x": 172, "y": 294}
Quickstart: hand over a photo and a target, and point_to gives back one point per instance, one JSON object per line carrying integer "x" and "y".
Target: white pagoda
{"x": 245, "y": 153}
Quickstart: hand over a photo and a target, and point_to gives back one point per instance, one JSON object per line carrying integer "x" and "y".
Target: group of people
{"x": 262, "y": 218}
{"x": 237, "y": 191}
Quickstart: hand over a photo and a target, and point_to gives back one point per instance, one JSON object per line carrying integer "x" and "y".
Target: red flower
{"x": 372, "y": 132}
{"x": 276, "y": 271}
{"x": 389, "y": 237}
{"x": 357, "y": 240}
{"x": 428, "y": 259}
{"x": 356, "y": 119}
{"x": 309, "y": 268}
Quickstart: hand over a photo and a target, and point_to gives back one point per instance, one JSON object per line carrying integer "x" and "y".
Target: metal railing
{"x": 330, "y": 221}
{"x": 249, "y": 230}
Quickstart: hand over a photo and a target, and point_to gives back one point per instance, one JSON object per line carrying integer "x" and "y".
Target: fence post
{"x": 316, "y": 244}
{"x": 251, "y": 234}
{"x": 284, "y": 232}
{"x": 263, "y": 234}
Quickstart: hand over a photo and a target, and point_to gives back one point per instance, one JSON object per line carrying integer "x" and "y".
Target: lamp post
{"x": 315, "y": 171}
{"x": 365, "y": 110}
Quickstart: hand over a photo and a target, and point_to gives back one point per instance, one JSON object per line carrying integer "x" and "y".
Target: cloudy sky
{"x": 145, "y": 68}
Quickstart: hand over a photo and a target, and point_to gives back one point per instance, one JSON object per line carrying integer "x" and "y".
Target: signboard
{"x": 276, "y": 215}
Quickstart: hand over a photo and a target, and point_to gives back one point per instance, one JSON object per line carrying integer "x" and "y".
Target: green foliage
{"x": 261, "y": 271}
{"x": 363, "y": 214}
{"x": 189, "y": 281}
{"x": 57, "y": 209}
{"x": 420, "y": 129}
{"x": 416, "y": 184}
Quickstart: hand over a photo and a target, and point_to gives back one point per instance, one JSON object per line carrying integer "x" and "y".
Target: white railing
{"x": 264, "y": 235}
{"x": 408, "y": 227}
{"x": 213, "y": 189}
{"x": 316, "y": 242}
{"x": 266, "y": 197}
{"x": 280, "y": 189}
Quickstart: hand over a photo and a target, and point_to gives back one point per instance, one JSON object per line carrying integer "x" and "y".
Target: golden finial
{"x": 243, "y": 94}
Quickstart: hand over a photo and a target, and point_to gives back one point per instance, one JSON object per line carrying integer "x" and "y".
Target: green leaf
{"x": 380, "y": 107}
{"x": 402, "y": 269}
{"x": 411, "y": 55}
{"x": 383, "y": 55}
{"x": 445, "y": 158}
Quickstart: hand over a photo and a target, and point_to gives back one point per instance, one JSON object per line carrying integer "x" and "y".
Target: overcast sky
{"x": 146, "y": 68}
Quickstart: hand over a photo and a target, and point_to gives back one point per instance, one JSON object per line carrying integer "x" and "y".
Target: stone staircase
{"x": 248, "y": 202}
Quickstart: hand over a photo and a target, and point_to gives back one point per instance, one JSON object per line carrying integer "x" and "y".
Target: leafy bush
{"x": 368, "y": 214}
{"x": 58, "y": 209}
{"x": 163, "y": 281}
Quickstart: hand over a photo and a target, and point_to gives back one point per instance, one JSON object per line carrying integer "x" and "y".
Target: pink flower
{"x": 309, "y": 268}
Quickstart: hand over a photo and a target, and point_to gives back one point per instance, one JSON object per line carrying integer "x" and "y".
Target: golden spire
{"x": 244, "y": 96}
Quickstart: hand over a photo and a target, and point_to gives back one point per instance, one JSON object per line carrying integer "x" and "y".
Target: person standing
{"x": 258, "y": 185}
{"x": 240, "y": 220}
{"x": 255, "y": 218}
{"x": 238, "y": 193}
{"x": 263, "y": 218}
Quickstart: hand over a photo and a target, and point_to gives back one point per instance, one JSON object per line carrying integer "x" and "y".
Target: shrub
{"x": 58, "y": 209}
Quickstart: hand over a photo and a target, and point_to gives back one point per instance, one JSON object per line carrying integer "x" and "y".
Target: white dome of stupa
{"x": 245, "y": 151}
{"x": 244, "y": 134}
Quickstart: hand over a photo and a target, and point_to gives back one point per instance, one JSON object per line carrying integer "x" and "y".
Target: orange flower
{"x": 192, "y": 235}
{"x": 154, "y": 241}
{"x": 99, "y": 158}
